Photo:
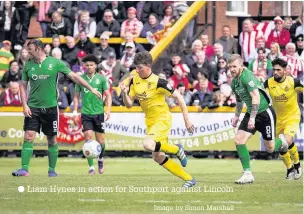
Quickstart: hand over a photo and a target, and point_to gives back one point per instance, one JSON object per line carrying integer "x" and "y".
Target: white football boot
{"x": 247, "y": 178}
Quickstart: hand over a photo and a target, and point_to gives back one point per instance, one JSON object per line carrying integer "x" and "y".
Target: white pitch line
{"x": 91, "y": 200}
{"x": 227, "y": 202}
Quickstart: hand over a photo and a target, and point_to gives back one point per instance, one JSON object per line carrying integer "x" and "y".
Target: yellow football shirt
{"x": 151, "y": 93}
{"x": 284, "y": 97}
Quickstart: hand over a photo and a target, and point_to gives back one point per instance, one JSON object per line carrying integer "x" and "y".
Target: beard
{"x": 278, "y": 79}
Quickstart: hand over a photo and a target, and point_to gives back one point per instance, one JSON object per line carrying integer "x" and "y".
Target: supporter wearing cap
{"x": 104, "y": 49}
{"x": 127, "y": 59}
{"x": 279, "y": 34}
{"x": 132, "y": 24}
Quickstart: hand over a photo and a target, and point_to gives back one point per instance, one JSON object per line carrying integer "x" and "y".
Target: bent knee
{"x": 158, "y": 157}
{"x": 29, "y": 135}
{"x": 239, "y": 140}
{"x": 149, "y": 144}
{"x": 269, "y": 149}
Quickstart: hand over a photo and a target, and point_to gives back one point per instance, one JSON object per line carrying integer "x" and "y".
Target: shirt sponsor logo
{"x": 251, "y": 84}
{"x": 281, "y": 98}
{"x": 97, "y": 81}
{"x": 34, "y": 76}
{"x": 50, "y": 67}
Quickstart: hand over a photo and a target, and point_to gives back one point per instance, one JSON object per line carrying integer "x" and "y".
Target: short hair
{"x": 235, "y": 57}
{"x": 90, "y": 58}
{"x": 10, "y": 64}
{"x": 180, "y": 85}
{"x": 37, "y": 42}
{"x": 108, "y": 11}
{"x": 261, "y": 49}
{"x": 56, "y": 50}
{"x": 55, "y": 36}
{"x": 280, "y": 62}
{"x": 249, "y": 19}
{"x": 197, "y": 41}
{"x": 225, "y": 26}
{"x": 144, "y": 58}
{"x": 291, "y": 45}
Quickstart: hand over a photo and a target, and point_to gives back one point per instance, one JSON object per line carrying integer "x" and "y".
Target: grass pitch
{"x": 112, "y": 191}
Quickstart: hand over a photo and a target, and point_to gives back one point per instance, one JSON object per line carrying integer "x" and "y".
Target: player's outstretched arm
{"x": 127, "y": 99}
{"x": 255, "y": 95}
{"x": 26, "y": 110}
{"x": 108, "y": 102}
{"x": 78, "y": 79}
{"x": 184, "y": 109}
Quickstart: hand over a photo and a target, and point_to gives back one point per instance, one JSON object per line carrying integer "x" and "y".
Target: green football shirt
{"x": 246, "y": 83}
{"x": 91, "y": 104}
{"x": 42, "y": 79}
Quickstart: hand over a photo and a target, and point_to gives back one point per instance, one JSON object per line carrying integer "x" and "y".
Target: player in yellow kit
{"x": 283, "y": 90}
{"x": 151, "y": 91}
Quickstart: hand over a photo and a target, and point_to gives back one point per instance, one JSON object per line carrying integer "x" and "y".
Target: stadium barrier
{"x": 117, "y": 40}
{"x": 125, "y": 131}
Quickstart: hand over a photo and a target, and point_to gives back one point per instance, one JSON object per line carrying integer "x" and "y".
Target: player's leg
{"x": 174, "y": 168}
{"x": 31, "y": 126}
{"x": 50, "y": 124}
{"x": 87, "y": 124}
{"x": 289, "y": 132}
{"x": 100, "y": 137}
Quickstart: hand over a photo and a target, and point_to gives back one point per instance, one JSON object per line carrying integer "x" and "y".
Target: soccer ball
{"x": 91, "y": 149}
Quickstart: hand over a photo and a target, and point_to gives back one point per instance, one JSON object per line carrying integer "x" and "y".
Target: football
{"x": 91, "y": 149}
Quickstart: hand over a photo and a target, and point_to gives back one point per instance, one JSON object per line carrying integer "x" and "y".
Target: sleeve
{"x": 69, "y": 28}
{"x": 104, "y": 84}
{"x": 24, "y": 74}
{"x": 298, "y": 85}
{"x": 266, "y": 85}
{"x": 116, "y": 29}
{"x": 92, "y": 30}
{"x": 164, "y": 87}
{"x": 62, "y": 67}
{"x": 77, "y": 87}
{"x": 250, "y": 66}
{"x": 250, "y": 82}
{"x": 131, "y": 89}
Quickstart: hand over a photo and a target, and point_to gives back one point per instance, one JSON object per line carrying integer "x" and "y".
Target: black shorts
{"x": 265, "y": 123}
{"x": 45, "y": 119}
{"x": 93, "y": 122}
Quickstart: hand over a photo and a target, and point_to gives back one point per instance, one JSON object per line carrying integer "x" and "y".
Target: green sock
{"x": 26, "y": 154}
{"x": 53, "y": 155}
{"x": 103, "y": 147}
{"x": 90, "y": 161}
{"x": 277, "y": 144}
{"x": 244, "y": 156}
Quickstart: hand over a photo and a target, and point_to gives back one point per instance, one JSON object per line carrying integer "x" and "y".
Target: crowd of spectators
{"x": 200, "y": 74}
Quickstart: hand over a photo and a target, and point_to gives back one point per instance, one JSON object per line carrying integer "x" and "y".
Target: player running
{"x": 259, "y": 116}
{"x": 40, "y": 108}
{"x": 283, "y": 90}
{"x": 151, "y": 91}
{"x": 92, "y": 110}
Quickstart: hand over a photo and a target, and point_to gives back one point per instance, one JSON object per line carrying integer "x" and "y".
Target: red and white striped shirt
{"x": 247, "y": 43}
{"x": 296, "y": 63}
{"x": 134, "y": 26}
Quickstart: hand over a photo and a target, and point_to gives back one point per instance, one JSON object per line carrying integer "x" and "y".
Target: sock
{"x": 90, "y": 162}
{"x": 103, "y": 147}
{"x": 293, "y": 151}
{"x": 286, "y": 159}
{"x": 53, "y": 155}
{"x": 244, "y": 156}
{"x": 26, "y": 154}
{"x": 166, "y": 148}
{"x": 277, "y": 144}
{"x": 176, "y": 169}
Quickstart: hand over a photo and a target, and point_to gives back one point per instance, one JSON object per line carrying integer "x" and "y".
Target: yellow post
{"x": 176, "y": 29}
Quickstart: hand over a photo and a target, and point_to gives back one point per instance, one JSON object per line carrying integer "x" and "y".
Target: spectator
{"x": 9, "y": 11}
{"x": 179, "y": 8}
{"x": 274, "y": 51}
{"x": 175, "y": 60}
{"x": 85, "y": 23}
{"x": 191, "y": 58}
{"x": 151, "y": 26}
{"x": 23, "y": 58}
{"x": 55, "y": 41}
{"x": 57, "y": 53}
{"x": 168, "y": 15}
{"x": 300, "y": 45}
{"x": 119, "y": 11}
{"x": 90, "y": 6}
{"x": 108, "y": 25}
{"x": 2, "y": 31}
{"x": 60, "y": 26}
{"x": 103, "y": 51}
{"x": 70, "y": 51}
{"x": 180, "y": 72}
{"x": 117, "y": 99}
{"x": 132, "y": 24}
{"x": 293, "y": 28}
{"x": 294, "y": 60}
{"x": 5, "y": 57}
{"x": 113, "y": 70}
{"x": 261, "y": 67}
{"x": 218, "y": 53}
{"x": 223, "y": 75}
{"x": 172, "y": 102}
{"x": 145, "y": 8}
{"x": 13, "y": 75}
{"x": 63, "y": 7}
{"x": 201, "y": 65}
{"x": 247, "y": 40}
{"x": 279, "y": 35}
{"x": 42, "y": 16}
{"x": 260, "y": 43}
{"x": 230, "y": 44}
{"x": 47, "y": 49}
{"x": 21, "y": 22}
{"x": 85, "y": 43}
{"x": 203, "y": 96}
{"x": 218, "y": 100}
{"x": 300, "y": 29}
{"x": 209, "y": 52}
{"x": 129, "y": 38}
{"x": 223, "y": 97}
{"x": 127, "y": 59}
{"x": 12, "y": 95}
{"x": 79, "y": 67}
{"x": 287, "y": 23}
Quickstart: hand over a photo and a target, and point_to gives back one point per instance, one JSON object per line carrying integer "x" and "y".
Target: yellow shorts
{"x": 159, "y": 131}
{"x": 288, "y": 127}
